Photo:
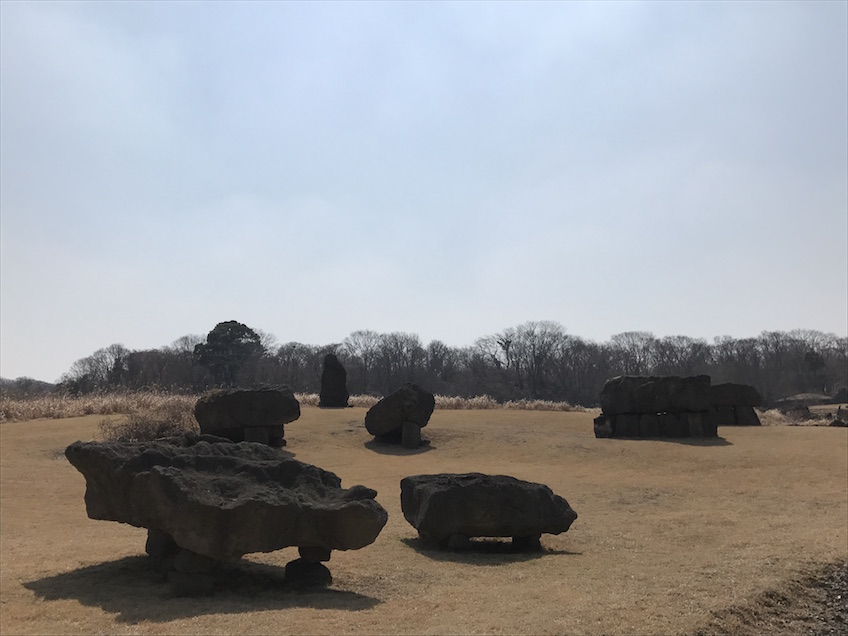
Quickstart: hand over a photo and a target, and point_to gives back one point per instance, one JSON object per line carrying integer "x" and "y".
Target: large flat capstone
{"x": 223, "y": 500}
{"x": 476, "y": 505}
{"x": 628, "y": 394}
{"x": 252, "y": 415}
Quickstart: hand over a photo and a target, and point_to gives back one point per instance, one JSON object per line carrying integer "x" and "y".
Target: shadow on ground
{"x": 696, "y": 441}
{"x": 388, "y": 448}
{"x": 484, "y": 552}
{"x": 688, "y": 441}
{"x": 135, "y": 590}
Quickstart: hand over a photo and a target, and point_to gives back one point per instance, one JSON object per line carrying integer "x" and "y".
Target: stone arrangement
{"x": 399, "y": 417}
{"x": 672, "y": 406}
{"x": 668, "y": 406}
{"x": 334, "y": 392}
{"x": 206, "y": 501}
{"x": 733, "y": 404}
{"x": 449, "y": 509}
{"x": 242, "y": 415}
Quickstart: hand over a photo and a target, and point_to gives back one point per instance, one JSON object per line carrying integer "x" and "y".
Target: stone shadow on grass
{"x": 695, "y": 441}
{"x": 484, "y": 551}
{"x": 135, "y": 590}
{"x": 687, "y": 441}
{"x": 389, "y": 448}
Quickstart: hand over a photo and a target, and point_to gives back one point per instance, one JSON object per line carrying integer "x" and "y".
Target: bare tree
{"x": 535, "y": 346}
{"x": 362, "y": 347}
{"x": 632, "y": 351}
{"x": 679, "y": 355}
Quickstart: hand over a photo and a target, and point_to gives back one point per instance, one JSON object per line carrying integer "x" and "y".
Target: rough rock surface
{"x": 410, "y": 403}
{"x": 334, "y": 392}
{"x": 653, "y": 425}
{"x": 745, "y": 416}
{"x": 476, "y": 505}
{"x": 730, "y": 394}
{"x": 223, "y": 500}
{"x": 668, "y": 406}
{"x": 666, "y": 394}
{"x": 256, "y": 415}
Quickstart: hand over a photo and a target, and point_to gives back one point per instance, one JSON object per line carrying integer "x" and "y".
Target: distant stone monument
{"x": 399, "y": 417}
{"x": 333, "y": 383}
{"x": 242, "y": 415}
{"x": 666, "y": 406}
{"x": 672, "y": 406}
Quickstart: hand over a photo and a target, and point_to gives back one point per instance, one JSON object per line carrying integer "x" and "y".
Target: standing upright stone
{"x": 333, "y": 383}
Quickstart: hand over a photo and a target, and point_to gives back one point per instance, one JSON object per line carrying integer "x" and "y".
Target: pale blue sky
{"x": 447, "y": 169}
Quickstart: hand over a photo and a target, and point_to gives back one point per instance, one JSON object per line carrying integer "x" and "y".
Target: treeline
{"x": 535, "y": 360}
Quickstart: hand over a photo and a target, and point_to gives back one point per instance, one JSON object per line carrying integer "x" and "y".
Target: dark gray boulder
{"x": 253, "y": 415}
{"x": 673, "y": 425}
{"x": 649, "y": 425}
{"x": 409, "y": 405}
{"x": 745, "y": 416}
{"x": 665, "y": 394}
{"x": 603, "y": 426}
{"x": 334, "y": 392}
{"x": 223, "y": 500}
{"x": 730, "y": 394}
{"x": 723, "y": 415}
{"x": 476, "y": 505}
{"x": 626, "y": 425}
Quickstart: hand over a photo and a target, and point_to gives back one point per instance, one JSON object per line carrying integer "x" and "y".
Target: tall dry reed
{"x": 450, "y": 402}
{"x": 56, "y": 406}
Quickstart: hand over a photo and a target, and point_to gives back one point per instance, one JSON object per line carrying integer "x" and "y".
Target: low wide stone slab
{"x": 223, "y": 500}
{"x": 248, "y": 415}
{"x": 467, "y": 505}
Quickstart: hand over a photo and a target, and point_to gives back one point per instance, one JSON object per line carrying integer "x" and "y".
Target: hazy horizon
{"x": 444, "y": 169}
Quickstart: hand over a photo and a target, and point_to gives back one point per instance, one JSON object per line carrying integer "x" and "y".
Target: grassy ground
{"x": 672, "y": 536}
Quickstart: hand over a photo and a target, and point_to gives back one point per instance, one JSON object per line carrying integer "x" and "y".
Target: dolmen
{"x": 207, "y": 501}
{"x": 666, "y": 406}
{"x": 248, "y": 415}
{"x": 399, "y": 417}
{"x": 673, "y": 406}
{"x": 334, "y": 393}
{"x": 450, "y": 509}
{"x": 733, "y": 404}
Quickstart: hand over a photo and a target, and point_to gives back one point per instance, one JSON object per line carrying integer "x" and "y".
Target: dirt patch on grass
{"x": 671, "y": 537}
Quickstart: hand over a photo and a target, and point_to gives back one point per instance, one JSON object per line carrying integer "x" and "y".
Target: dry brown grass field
{"x": 670, "y": 534}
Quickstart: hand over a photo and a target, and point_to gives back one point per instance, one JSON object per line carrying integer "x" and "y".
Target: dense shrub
{"x": 162, "y": 420}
